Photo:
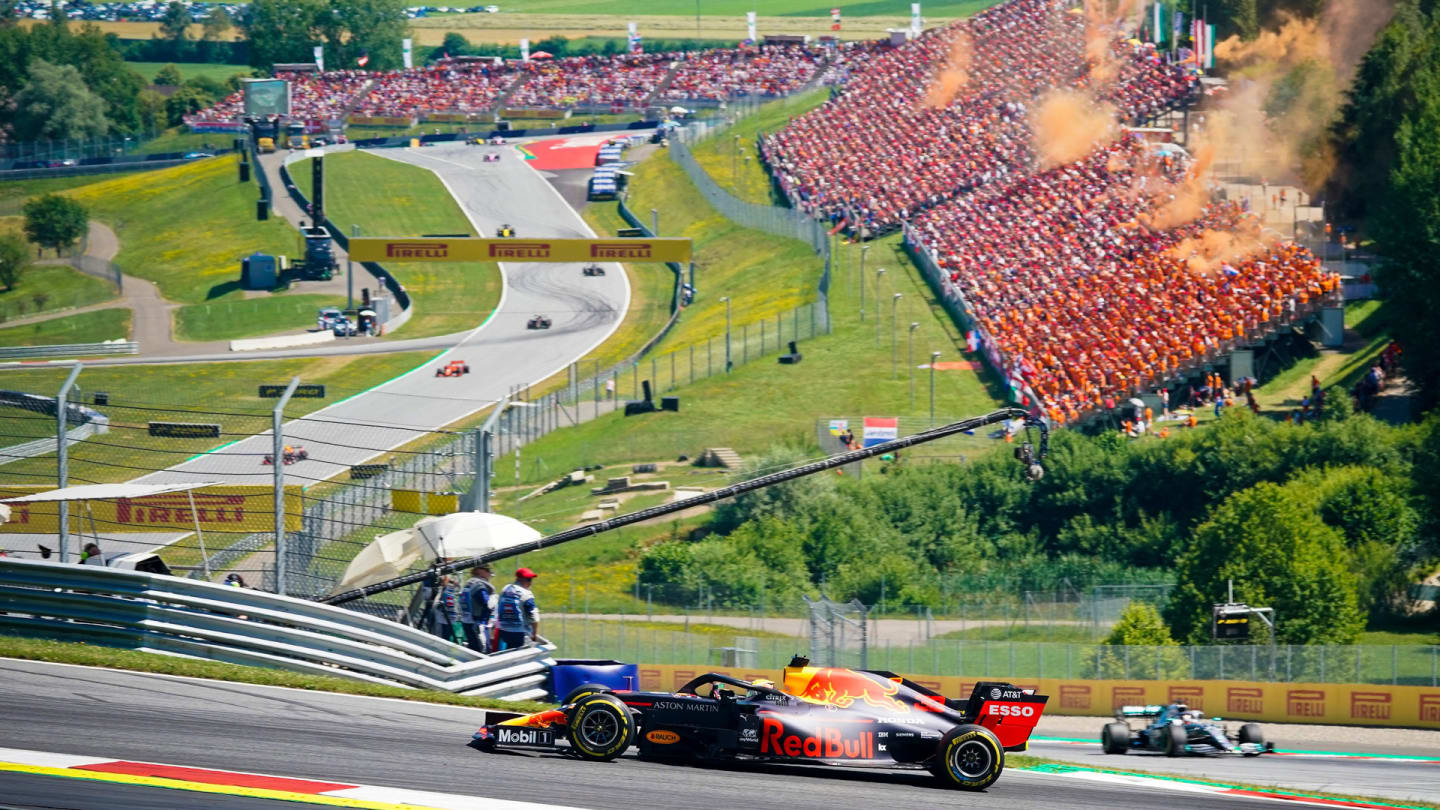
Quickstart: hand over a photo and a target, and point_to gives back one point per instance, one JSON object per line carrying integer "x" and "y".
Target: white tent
{"x": 462, "y": 534}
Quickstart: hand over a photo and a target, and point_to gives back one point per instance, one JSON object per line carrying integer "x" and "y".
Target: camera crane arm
{"x": 1027, "y": 453}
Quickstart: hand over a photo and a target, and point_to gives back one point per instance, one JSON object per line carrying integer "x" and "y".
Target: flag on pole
{"x": 1177, "y": 27}
{"x": 363, "y": 60}
{"x": 320, "y": 58}
{"x": 1159, "y": 26}
{"x": 407, "y": 53}
{"x": 972, "y": 341}
{"x": 915, "y": 22}
{"x": 879, "y": 430}
{"x": 633, "y": 40}
{"x": 834, "y": 19}
{"x": 1209, "y": 47}
{"x": 750, "y": 27}
{"x": 525, "y": 50}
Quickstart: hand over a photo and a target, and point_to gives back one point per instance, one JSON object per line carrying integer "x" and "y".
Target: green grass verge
{"x": 47, "y": 288}
{"x": 182, "y": 140}
{"x": 85, "y": 327}
{"x": 231, "y": 320}
{"x": 724, "y": 157}
{"x": 1023, "y": 632}
{"x": 1044, "y": 765}
{"x": 190, "y": 70}
{"x": 390, "y": 198}
{"x": 13, "y": 193}
{"x": 184, "y": 393}
{"x": 64, "y": 652}
{"x": 186, "y": 228}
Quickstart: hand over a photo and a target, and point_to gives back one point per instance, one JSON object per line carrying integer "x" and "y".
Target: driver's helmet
{"x": 763, "y": 683}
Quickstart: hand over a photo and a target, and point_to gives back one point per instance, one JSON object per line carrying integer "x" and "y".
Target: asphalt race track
{"x": 501, "y": 352}
{"x": 108, "y": 713}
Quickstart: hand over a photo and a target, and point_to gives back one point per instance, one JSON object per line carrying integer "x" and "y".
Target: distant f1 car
{"x": 538, "y": 322}
{"x": 496, "y": 140}
{"x": 492, "y": 157}
{"x": 504, "y": 231}
{"x": 593, "y": 270}
{"x": 292, "y": 455}
{"x": 454, "y": 368}
{"x": 1177, "y": 730}
{"x": 818, "y": 715}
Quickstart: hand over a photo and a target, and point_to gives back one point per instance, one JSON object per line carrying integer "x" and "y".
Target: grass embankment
{"x": 231, "y": 320}
{"x": 389, "y": 198}
{"x": 190, "y": 70}
{"x": 64, "y": 652}
{"x": 1369, "y": 321}
{"x": 724, "y": 156}
{"x": 14, "y": 193}
{"x": 186, "y": 229}
{"x": 85, "y": 327}
{"x": 223, "y": 393}
{"x": 50, "y": 288}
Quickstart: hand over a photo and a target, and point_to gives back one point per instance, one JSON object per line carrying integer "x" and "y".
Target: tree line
{"x": 1327, "y": 522}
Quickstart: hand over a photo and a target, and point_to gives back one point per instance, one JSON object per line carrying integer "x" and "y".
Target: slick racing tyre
{"x": 1174, "y": 740}
{"x": 1115, "y": 738}
{"x": 1251, "y": 733}
{"x": 581, "y": 691}
{"x": 970, "y": 758}
{"x": 600, "y": 727}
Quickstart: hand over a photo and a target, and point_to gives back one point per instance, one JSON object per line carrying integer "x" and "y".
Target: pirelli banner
{"x": 476, "y": 249}
{"x": 1327, "y": 703}
{"x": 229, "y": 508}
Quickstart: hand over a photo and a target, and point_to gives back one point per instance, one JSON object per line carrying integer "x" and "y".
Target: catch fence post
{"x": 62, "y": 456}
{"x": 277, "y": 459}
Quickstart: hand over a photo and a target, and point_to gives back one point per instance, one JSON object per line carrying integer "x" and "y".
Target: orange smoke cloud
{"x": 953, "y": 76}
{"x": 1068, "y": 125}
{"x": 1206, "y": 253}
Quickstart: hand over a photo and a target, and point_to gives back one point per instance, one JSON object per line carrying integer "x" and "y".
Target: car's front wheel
{"x": 1175, "y": 740}
{"x": 1251, "y": 733}
{"x": 600, "y": 727}
{"x": 970, "y": 758}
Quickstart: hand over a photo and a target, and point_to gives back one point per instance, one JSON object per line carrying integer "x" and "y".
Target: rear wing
{"x": 1008, "y": 711}
{"x": 1139, "y": 711}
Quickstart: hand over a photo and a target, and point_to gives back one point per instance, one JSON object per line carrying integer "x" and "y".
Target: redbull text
{"x": 826, "y": 743}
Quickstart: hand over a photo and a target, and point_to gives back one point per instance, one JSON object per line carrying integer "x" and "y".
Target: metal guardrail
{"x": 69, "y": 350}
{"x": 40, "y": 447}
{"x": 177, "y": 616}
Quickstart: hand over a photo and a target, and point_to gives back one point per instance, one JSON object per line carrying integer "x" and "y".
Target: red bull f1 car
{"x": 290, "y": 456}
{"x": 818, "y": 715}
{"x": 1176, "y": 730}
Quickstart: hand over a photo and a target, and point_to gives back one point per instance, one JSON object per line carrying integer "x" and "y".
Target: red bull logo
{"x": 826, "y": 743}
{"x": 842, "y": 687}
{"x": 417, "y": 250}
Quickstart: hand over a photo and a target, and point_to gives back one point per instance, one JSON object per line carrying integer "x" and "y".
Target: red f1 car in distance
{"x": 292, "y": 455}
{"x": 820, "y": 715}
{"x": 592, "y": 270}
{"x": 454, "y": 368}
{"x": 538, "y": 322}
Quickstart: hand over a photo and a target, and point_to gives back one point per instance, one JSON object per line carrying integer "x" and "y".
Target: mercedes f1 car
{"x": 291, "y": 455}
{"x": 1176, "y": 730}
{"x": 592, "y": 270}
{"x": 454, "y": 368}
{"x": 818, "y": 715}
{"x": 538, "y": 322}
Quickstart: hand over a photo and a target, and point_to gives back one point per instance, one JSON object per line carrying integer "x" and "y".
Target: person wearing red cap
{"x": 519, "y": 619}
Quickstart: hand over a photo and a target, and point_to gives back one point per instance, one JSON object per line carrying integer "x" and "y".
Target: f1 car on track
{"x": 538, "y": 322}
{"x": 1176, "y": 730}
{"x": 593, "y": 270}
{"x": 492, "y": 157}
{"x": 504, "y": 230}
{"x": 454, "y": 368}
{"x": 292, "y": 455}
{"x": 819, "y": 715}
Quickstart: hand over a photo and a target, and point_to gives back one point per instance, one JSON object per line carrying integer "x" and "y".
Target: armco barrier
{"x": 201, "y": 619}
{"x": 69, "y": 350}
{"x": 1327, "y": 703}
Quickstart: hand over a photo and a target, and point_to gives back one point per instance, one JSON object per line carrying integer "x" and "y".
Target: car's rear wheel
{"x": 1115, "y": 738}
{"x": 1175, "y": 739}
{"x": 1251, "y": 733}
{"x": 970, "y": 758}
{"x": 581, "y": 691}
{"x": 600, "y": 727}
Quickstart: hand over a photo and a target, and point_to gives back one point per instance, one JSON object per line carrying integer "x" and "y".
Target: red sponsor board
{"x": 1074, "y": 696}
{"x": 826, "y": 742}
{"x": 1370, "y": 705}
{"x": 1126, "y": 696}
{"x": 1305, "y": 703}
{"x": 1192, "y": 696}
{"x": 1244, "y": 700}
{"x": 1430, "y": 708}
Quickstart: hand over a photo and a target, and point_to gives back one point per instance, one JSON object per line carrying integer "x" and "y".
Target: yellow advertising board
{"x": 381, "y": 121}
{"x": 1341, "y": 704}
{"x": 534, "y": 112}
{"x": 476, "y": 249}
{"x": 229, "y": 508}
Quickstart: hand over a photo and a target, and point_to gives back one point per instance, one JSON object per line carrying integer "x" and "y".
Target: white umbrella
{"x": 679, "y": 110}
{"x": 462, "y": 534}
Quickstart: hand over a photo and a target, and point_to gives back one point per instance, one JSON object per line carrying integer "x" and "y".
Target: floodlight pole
{"x": 910, "y": 348}
{"x": 879, "y": 316}
{"x": 934, "y": 358}
{"x": 894, "y": 347}
{"x": 726, "y": 299}
{"x": 864, "y": 249}
{"x": 277, "y": 459}
{"x": 62, "y": 456}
